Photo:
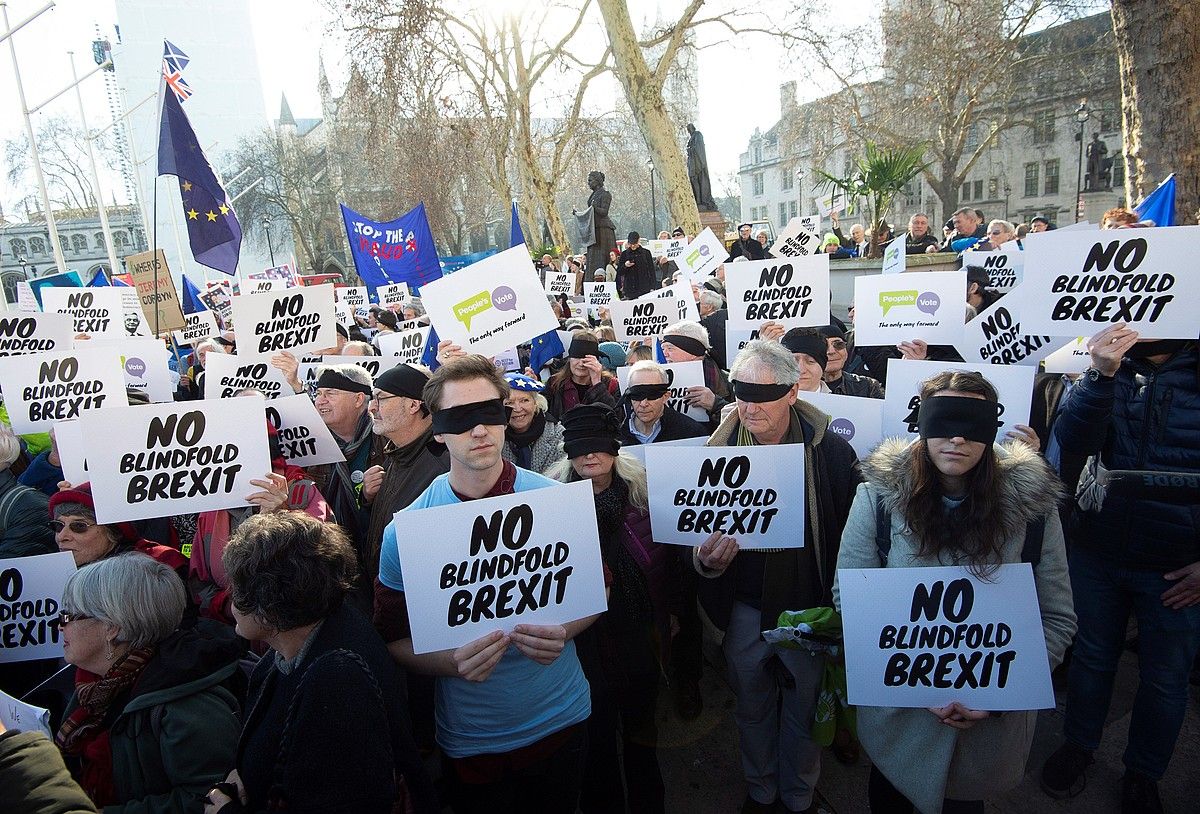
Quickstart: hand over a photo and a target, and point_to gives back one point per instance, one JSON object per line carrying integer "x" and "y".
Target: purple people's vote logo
{"x": 504, "y": 298}
{"x": 928, "y": 303}
{"x": 843, "y": 427}
{"x": 135, "y": 367}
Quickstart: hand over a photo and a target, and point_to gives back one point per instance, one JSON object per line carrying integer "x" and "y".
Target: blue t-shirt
{"x": 522, "y": 701}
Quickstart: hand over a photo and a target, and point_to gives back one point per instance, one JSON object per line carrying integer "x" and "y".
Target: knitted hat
{"x": 523, "y": 383}
{"x": 81, "y": 493}
{"x": 590, "y": 428}
{"x": 402, "y": 380}
{"x": 807, "y": 340}
{"x": 830, "y": 239}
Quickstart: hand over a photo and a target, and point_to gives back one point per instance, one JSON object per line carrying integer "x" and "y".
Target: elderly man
{"x": 919, "y": 239}
{"x": 746, "y": 246}
{"x": 511, "y": 707}
{"x": 968, "y": 230}
{"x": 839, "y": 345}
{"x": 650, "y": 417}
{"x": 743, "y": 593}
{"x": 688, "y": 341}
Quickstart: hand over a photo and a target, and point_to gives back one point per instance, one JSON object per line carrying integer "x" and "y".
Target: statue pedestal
{"x": 714, "y": 221}
{"x": 1094, "y": 203}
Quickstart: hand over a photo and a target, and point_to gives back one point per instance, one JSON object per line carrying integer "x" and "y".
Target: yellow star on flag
{"x": 192, "y": 214}
{"x": 211, "y": 215}
{"x": 187, "y": 186}
{"x": 224, "y": 209}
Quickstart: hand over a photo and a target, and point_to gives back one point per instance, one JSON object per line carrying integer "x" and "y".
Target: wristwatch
{"x": 1095, "y": 375}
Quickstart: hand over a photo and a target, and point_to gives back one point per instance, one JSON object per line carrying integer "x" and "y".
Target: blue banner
{"x": 399, "y": 251}
{"x": 1159, "y": 205}
{"x": 515, "y": 236}
{"x": 455, "y": 262}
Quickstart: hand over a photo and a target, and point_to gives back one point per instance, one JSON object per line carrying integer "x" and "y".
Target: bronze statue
{"x": 697, "y": 167}
{"x": 1099, "y": 168}
{"x": 604, "y": 231}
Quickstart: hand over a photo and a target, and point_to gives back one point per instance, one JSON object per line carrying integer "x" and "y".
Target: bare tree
{"x": 62, "y": 149}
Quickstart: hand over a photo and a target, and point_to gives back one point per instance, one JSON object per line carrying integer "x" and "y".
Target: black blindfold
{"x": 686, "y": 344}
{"x": 958, "y": 416}
{"x": 760, "y": 393}
{"x": 336, "y": 381}
{"x": 582, "y": 348}
{"x": 643, "y": 392}
{"x": 466, "y": 417}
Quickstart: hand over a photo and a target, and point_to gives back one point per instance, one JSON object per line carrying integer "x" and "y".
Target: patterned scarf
{"x": 522, "y": 442}
{"x": 95, "y": 699}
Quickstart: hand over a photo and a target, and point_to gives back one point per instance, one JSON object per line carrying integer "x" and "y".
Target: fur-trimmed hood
{"x": 1029, "y": 489}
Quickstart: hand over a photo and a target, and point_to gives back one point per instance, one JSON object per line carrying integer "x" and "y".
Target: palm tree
{"x": 878, "y": 176}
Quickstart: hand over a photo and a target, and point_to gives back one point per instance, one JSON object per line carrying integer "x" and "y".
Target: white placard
{"x": 639, "y": 450}
{"x": 144, "y": 360}
{"x": 925, "y": 637}
{"x": 17, "y": 716}
{"x": 160, "y": 460}
{"x": 32, "y": 589}
{"x": 544, "y": 542}
{"x": 854, "y": 419}
{"x": 132, "y": 318}
{"x": 26, "y": 299}
{"x": 307, "y": 372}
{"x": 490, "y": 305}
{"x": 22, "y": 333}
{"x": 1013, "y": 383}
{"x": 303, "y": 437}
{"x": 295, "y": 319}
{"x": 259, "y": 286}
{"x": 812, "y": 223}
{"x": 682, "y": 376}
{"x": 408, "y": 346}
{"x": 670, "y": 249}
{"x": 507, "y": 361}
{"x": 753, "y": 494}
{"x": 1082, "y": 282}
{"x": 94, "y": 311}
{"x": 560, "y": 282}
{"x": 351, "y": 296}
{"x": 197, "y": 327}
{"x": 895, "y": 257}
{"x": 794, "y": 292}
{"x": 225, "y": 374}
{"x": 928, "y": 305}
{"x": 831, "y": 203}
{"x": 392, "y": 294}
{"x": 1072, "y": 357}
{"x": 1005, "y": 268}
{"x": 42, "y": 388}
{"x": 685, "y": 300}
{"x": 796, "y": 240}
{"x": 599, "y": 295}
{"x": 68, "y": 437}
{"x": 648, "y": 316}
{"x": 701, "y": 257}
{"x": 735, "y": 340}
{"x": 995, "y": 336}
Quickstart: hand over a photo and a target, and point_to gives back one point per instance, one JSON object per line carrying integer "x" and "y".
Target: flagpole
{"x": 154, "y": 203}
{"x": 100, "y": 208}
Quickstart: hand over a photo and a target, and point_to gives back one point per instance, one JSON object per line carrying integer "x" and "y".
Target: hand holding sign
{"x": 1109, "y": 347}
{"x": 717, "y": 552}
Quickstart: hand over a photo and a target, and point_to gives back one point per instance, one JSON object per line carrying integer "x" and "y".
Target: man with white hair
{"x": 743, "y": 593}
{"x": 688, "y": 341}
{"x": 650, "y": 418}
{"x": 714, "y": 316}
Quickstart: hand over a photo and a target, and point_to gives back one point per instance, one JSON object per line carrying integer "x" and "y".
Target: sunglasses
{"x": 76, "y": 526}
{"x": 837, "y": 344}
{"x": 65, "y": 618}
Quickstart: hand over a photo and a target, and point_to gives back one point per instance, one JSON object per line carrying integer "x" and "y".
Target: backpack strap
{"x": 1031, "y": 551}
{"x": 883, "y": 531}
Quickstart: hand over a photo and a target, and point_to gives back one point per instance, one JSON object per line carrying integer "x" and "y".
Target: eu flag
{"x": 1159, "y": 205}
{"x": 192, "y": 303}
{"x": 544, "y": 349}
{"x": 213, "y": 229}
{"x": 515, "y": 236}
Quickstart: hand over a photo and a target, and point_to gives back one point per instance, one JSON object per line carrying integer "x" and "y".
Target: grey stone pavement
{"x": 700, "y": 762}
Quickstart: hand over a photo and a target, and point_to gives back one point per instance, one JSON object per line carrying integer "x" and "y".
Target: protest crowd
{"x": 457, "y": 543}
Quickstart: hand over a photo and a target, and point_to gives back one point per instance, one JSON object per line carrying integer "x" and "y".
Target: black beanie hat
{"x": 807, "y": 340}
{"x": 590, "y": 428}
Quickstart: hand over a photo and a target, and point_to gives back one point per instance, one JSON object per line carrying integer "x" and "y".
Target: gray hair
{"x": 140, "y": 596}
{"x": 625, "y": 466}
{"x": 710, "y": 297}
{"x": 539, "y": 400}
{"x": 1003, "y": 224}
{"x": 690, "y": 329}
{"x": 414, "y": 306}
{"x": 967, "y": 210}
{"x": 10, "y": 447}
{"x": 210, "y": 345}
{"x": 651, "y": 365}
{"x": 771, "y": 356}
{"x": 355, "y": 373}
{"x": 366, "y": 347}
{"x": 74, "y": 510}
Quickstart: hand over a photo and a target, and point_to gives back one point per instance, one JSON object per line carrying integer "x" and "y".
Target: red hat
{"x": 81, "y": 493}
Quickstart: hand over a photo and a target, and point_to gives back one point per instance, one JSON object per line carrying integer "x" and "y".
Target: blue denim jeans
{"x": 1168, "y": 640}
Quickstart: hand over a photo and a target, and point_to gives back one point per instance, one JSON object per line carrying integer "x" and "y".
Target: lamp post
{"x": 266, "y": 225}
{"x": 1082, "y": 114}
{"x": 1007, "y": 193}
{"x": 653, "y": 200}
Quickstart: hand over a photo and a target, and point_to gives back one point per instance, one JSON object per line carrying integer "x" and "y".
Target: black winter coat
{"x": 639, "y": 279}
{"x": 675, "y": 425}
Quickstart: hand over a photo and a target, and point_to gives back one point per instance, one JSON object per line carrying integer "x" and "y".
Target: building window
{"x": 782, "y": 213}
{"x": 1051, "y": 177}
{"x": 792, "y": 209}
{"x": 79, "y": 243}
{"x": 37, "y": 245}
{"x": 966, "y": 192}
{"x": 758, "y": 183}
{"x": 1110, "y": 115}
{"x": 18, "y": 247}
{"x": 1118, "y": 171}
{"x": 1043, "y": 126}
{"x": 120, "y": 240}
{"x": 972, "y": 136}
{"x": 978, "y": 189}
{"x": 99, "y": 240}
{"x": 758, "y": 153}
{"x": 993, "y": 188}
{"x": 787, "y": 178}
{"x": 1031, "y": 180}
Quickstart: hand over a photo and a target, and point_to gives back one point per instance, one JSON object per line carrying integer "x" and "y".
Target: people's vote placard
{"x": 294, "y": 319}
{"x": 34, "y": 333}
{"x": 854, "y": 419}
{"x": 753, "y": 494}
{"x": 304, "y": 439}
{"x": 701, "y": 257}
{"x": 392, "y": 294}
{"x": 144, "y": 360}
{"x": 226, "y": 374}
{"x": 42, "y": 388}
{"x": 527, "y": 558}
{"x": 927, "y": 305}
{"x": 1082, "y": 282}
{"x": 408, "y": 346}
{"x": 792, "y": 291}
{"x": 31, "y": 589}
{"x": 796, "y": 240}
{"x": 682, "y": 375}
{"x": 925, "y": 637}
{"x": 160, "y": 460}
{"x": 1013, "y": 383}
{"x": 1072, "y": 357}
{"x": 490, "y": 305}
{"x": 996, "y": 336}
{"x": 94, "y": 311}
{"x": 895, "y": 257}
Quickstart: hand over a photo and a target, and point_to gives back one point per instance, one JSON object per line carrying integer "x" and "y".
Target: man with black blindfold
{"x": 649, "y": 417}
{"x": 510, "y": 708}
{"x": 744, "y": 593}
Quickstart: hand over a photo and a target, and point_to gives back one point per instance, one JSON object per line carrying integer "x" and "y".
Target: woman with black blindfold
{"x": 955, "y": 497}
{"x": 582, "y": 380}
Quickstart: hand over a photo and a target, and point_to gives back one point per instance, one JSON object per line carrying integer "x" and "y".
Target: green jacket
{"x": 34, "y": 780}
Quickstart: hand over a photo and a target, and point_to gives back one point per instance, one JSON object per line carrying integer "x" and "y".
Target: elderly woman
{"x": 582, "y": 380}
{"x": 999, "y": 232}
{"x": 328, "y": 720}
{"x": 195, "y": 373}
{"x": 810, "y": 351}
{"x": 530, "y": 441}
{"x": 73, "y": 513}
{"x": 688, "y": 341}
{"x": 412, "y": 309}
{"x": 152, "y": 722}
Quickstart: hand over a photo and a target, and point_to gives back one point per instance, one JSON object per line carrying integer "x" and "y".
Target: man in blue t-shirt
{"x": 510, "y": 707}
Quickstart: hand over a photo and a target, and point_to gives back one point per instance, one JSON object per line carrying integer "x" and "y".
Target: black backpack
{"x": 1031, "y": 551}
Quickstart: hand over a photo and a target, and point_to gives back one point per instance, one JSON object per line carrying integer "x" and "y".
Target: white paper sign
{"x": 1006, "y": 269}
{"x": 683, "y": 375}
{"x": 303, "y": 437}
{"x": 928, "y": 305}
{"x": 735, "y": 340}
{"x": 648, "y": 316}
{"x": 22, "y": 333}
{"x": 407, "y": 345}
{"x": 490, "y": 305}
{"x": 160, "y": 460}
{"x": 1013, "y": 383}
{"x": 753, "y": 494}
{"x": 854, "y": 419}
{"x": 685, "y": 300}
{"x": 995, "y": 336}
{"x": 374, "y": 365}
{"x": 294, "y": 319}
{"x": 351, "y": 296}
{"x": 392, "y": 294}
{"x": 599, "y": 295}
{"x": 1083, "y": 282}
{"x": 144, "y": 360}
{"x": 17, "y": 716}
{"x": 670, "y": 249}
{"x": 532, "y": 557}
{"x": 42, "y": 388}
{"x": 794, "y": 292}
{"x": 560, "y": 282}
{"x": 93, "y": 311}
{"x": 198, "y": 326}
{"x": 925, "y": 637}
{"x": 895, "y": 258}
{"x": 1072, "y": 357}
{"x": 639, "y": 450}
{"x": 68, "y": 437}
{"x": 226, "y": 374}
{"x": 257, "y": 286}
{"x": 831, "y": 203}
{"x": 31, "y": 589}
{"x": 701, "y": 257}
{"x": 26, "y": 299}
{"x": 796, "y": 240}
{"x": 132, "y": 318}
{"x": 507, "y": 361}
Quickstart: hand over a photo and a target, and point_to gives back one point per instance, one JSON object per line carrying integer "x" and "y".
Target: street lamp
{"x": 266, "y": 225}
{"x": 1082, "y": 114}
{"x": 653, "y": 201}
{"x": 1007, "y": 193}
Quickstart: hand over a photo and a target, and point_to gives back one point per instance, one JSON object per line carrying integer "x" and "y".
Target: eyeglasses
{"x": 837, "y": 344}
{"x": 76, "y": 526}
{"x": 65, "y": 618}
{"x": 995, "y": 233}
{"x": 379, "y": 399}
